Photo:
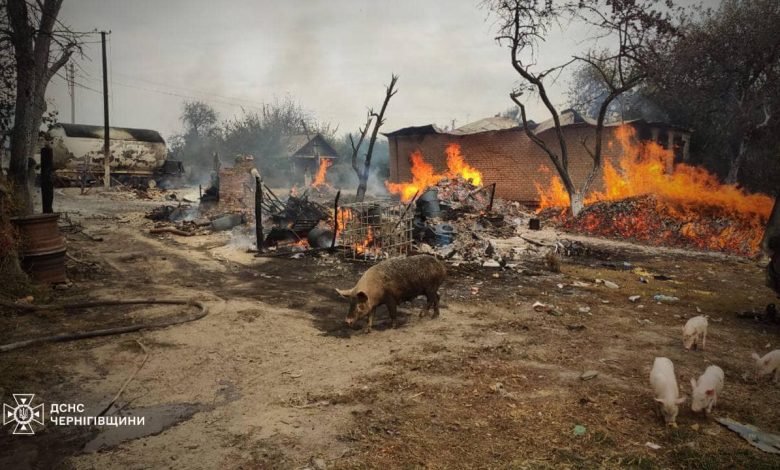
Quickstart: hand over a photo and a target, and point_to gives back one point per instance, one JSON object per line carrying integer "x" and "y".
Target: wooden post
{"x": 106, "y": 136}
{"x": 335, "y": 220}
{"x": 47, "y": 185}
{"x": 492, "y": 195}
{"x": 258, "y": 210}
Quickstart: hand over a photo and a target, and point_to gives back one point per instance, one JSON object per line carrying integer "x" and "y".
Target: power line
{"x": 194, "y": 90}
{"x": 78, "y": 84}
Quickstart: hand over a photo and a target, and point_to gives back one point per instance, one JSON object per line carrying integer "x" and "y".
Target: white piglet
{"x": 768, "y": 364}
{"x": 665, "y": 388}
{"x": 707, "y": 389}
{"x": 695, "y": 332}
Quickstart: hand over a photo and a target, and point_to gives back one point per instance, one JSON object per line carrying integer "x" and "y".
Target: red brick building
{"x": 505, "y": 155}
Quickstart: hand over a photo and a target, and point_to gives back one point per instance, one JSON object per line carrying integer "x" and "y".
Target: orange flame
{"x": 682, "y": 192}
{"x": 363, "y": 246}
{"x": 319, "y": 178}
{"x": 424, "y": 176}
{"x": 458, "y": 166}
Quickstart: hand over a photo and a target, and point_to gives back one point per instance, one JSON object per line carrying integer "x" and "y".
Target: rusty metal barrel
{"x": 43, "y": 248}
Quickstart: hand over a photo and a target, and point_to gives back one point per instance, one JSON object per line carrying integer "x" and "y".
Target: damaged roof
{"x": 568, "y": 118}
{"x": 115, "y": 133}
{"x": 496, "y": 123}
{"x": 307, "y": 146}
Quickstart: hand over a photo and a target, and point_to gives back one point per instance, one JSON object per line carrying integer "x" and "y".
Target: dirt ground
{"x": 272, "y": 378}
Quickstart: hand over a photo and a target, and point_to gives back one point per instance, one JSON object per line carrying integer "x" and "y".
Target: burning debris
{"x": 655, "y": 221}
{"x": 647, "y": 197}
{"x": 424, "y": 176}
{"x": 375, "y": 230}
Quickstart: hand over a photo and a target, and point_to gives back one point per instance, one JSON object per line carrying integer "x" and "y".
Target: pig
{"x": 768, "y": 364}
{"x": 665, "y": 388}
{"x": 695, "y": 332}
{"x": 394, "y": 281}
{"x": 705, "y": 391}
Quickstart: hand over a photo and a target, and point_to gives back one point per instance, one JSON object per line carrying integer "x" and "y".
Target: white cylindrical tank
{"x": 137, "y": 152}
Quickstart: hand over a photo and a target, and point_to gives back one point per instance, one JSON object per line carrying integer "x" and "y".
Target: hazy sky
{"x": 333, "y": 56}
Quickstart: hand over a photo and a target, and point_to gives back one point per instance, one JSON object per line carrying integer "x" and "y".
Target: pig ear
{"x": 681, "y": 400}
{"x": 710, "y": 392}
{"x": 755, "y": 356}
{"x": 345, "y": 292}
{"x": 362, "y": 297}
{"x": 658, "y": 400}
{"x": 693, "y": 383}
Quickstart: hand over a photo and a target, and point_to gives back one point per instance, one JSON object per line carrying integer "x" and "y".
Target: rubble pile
{"x": 458, "y": 193}
{"x": 649, "y": 220}
{"x": 458, "y": 221}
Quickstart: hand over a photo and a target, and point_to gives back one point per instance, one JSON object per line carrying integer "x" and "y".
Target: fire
{"x": 458, "y": 166}
{"x": 319, "y": 178}
{"x": 365, "y": 245}
{"x": 424, "y": 176}
{"x": 343, "y": 217}
{"x": 688, "y": 194}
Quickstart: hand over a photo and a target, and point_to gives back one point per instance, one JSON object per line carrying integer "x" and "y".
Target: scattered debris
{"x": 635, "y": 298}
{"x": 589, "y": 374}
{"x": 767, "y": 442}
{"x": 580, "y": 430}
{"x": 607, "y": 283}
{"x": 665, "y": 298}
{"x": 652, "y": 445}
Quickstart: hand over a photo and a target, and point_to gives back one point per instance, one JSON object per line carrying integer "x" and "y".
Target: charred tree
{"x": 524, "y": 23}
{"x": 34, "y": 33}
{"x": 378, "y": 119}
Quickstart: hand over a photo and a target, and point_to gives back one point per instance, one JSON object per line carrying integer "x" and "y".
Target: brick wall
{"x": 237, "y": 189}
{"x": 508, "y": 157}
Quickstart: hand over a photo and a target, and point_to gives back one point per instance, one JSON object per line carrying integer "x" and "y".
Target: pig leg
{"x": 703, "y": 340}
{"x": 435, "y": 304}
{"x": 431, "y": 301}
{"x": 392, "y": 310}
{"x": 777, "y": 375}
{"x": 369, "y": 321}
{"x": 424, "y": 310}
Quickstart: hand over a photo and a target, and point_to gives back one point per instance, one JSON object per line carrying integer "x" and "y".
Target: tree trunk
{"x": 361, "y": 189}
{"x": 33, "y": 72}
{"x": 736, "y": 163}
{"x": 577, "y": 202}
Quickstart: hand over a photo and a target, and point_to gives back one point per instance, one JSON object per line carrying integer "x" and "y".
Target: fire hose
{"x": 61, "y": 337}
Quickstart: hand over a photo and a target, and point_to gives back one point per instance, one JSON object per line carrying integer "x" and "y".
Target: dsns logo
{"x": 23, "y": 414}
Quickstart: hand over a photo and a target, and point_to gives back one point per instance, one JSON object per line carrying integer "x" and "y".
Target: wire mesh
{"x": 375, "y": 230}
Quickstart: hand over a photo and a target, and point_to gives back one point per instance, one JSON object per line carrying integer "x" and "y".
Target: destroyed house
{"x": 305, "y": 152}
{"x": 502, "y": 151}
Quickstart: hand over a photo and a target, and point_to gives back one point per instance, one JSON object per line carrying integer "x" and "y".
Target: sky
{"x": 334, "y": 57}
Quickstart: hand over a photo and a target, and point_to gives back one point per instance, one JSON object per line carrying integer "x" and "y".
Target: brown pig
{"x": 394, "y": 281}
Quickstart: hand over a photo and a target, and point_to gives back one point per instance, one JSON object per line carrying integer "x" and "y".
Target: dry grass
{"x": 507, "y": 414}
{"x": 514, "y": 405}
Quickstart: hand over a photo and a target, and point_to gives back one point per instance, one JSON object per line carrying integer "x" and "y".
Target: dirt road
{"x": 271, "y": 378}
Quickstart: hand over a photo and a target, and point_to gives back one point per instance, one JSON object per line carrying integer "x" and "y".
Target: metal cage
{"x": 375, "y": 230}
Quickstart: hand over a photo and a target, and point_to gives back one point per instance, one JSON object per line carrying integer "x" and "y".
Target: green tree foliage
{"x": 722, "y": 79}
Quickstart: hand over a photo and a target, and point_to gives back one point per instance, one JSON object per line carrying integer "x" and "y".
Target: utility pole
{"x": 72, "y": 90}
{"x": 106, "y": 140}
